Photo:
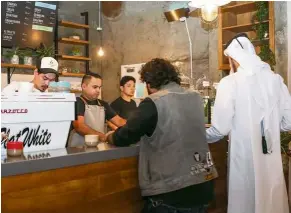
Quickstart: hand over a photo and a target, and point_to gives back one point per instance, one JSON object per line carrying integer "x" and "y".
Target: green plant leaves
{"x": 262, "y": 29}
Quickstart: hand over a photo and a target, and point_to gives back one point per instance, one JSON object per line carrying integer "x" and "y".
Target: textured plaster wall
{"x": 139, "y": 34}
{"x": 142, "y": 33}
{"x": 281, "y": 39}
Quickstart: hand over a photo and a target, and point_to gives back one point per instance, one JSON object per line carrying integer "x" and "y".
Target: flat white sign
{"x": 40, "y": 122}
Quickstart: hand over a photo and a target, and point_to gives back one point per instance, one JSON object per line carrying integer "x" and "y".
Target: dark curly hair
{"x": 159, "y": 72}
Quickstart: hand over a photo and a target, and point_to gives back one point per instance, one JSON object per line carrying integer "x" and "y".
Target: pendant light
{"x": 99, "y": 29}
{"x": 209, "y": 8}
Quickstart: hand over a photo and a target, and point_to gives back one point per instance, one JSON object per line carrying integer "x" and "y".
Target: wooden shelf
{"x": 259, "y": 43}
{"x": 240, "y": 8}
{"x": 74, "y": 58}
{"x": 85, "y": 58}
{"x": 73, "y": 25}
{"x": 237, "y": 17}
{"x": 18, "y": 66}
{"x": 243, "y": 27}
{"x": 67, "y": 74}
{"x": 224, "y": 67}
{"x": 73, "y": 41}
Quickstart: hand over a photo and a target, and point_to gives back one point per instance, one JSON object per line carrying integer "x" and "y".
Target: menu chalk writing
{"x": 28, "y": 23}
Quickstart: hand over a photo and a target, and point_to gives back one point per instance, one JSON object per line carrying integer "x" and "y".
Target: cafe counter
{"x": 74, "y": 180}
{"x": 87, "y": 180}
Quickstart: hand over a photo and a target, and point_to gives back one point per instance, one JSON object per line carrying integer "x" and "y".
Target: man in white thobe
{"x": 252, "y": 106}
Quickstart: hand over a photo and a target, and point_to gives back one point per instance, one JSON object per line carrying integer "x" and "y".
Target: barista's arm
{"x": 80, "y": 127}
{"x": 142, "y": 122}
{"x": 112, "y": 126}
{"x": 117, "y": 121}
{"x": 113, "y": 120}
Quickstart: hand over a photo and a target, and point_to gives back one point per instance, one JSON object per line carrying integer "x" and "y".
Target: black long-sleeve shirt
{"x": 143, "y": 122}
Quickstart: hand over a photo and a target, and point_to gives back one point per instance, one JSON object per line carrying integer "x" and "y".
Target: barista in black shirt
{"x": 124, "y": 106}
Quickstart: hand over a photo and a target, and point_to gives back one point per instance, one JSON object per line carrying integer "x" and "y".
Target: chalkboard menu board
{"x": 28, "y": 23}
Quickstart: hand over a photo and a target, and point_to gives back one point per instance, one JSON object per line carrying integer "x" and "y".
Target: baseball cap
{"x": 48, "y": 65}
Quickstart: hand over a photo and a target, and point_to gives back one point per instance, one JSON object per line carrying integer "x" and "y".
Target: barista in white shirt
{"x": 46, "y": 72}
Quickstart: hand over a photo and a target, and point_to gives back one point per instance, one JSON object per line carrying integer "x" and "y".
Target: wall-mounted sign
{"x": 28, "y": 23}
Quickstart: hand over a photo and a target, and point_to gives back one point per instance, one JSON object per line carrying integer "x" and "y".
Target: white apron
{"x": 94, "y": 118}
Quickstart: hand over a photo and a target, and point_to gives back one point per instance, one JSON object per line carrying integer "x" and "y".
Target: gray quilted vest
{"x": 177, "y": 154}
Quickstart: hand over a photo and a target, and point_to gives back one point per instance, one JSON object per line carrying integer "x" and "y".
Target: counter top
{"x": 61, "y": 158}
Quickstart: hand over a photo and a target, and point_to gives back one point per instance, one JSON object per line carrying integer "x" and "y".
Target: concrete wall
{"x": 289, "y": 45}
{"x": 139, "y": 34}
{"x": 142, "y": 33}
{"x": 281, "y": 41}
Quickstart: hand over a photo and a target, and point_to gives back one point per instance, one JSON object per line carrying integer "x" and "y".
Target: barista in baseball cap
{"x": 48, "y": 65}
{"x": 46, "y": 72}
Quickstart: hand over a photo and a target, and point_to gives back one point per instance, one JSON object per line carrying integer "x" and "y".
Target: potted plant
{"x": 27, "y": 55}
{"x": 13, "y": 55}
{"x": 76, "y": 51}
{"x": 75, "y": 70}
{"x": 43, "y": 51}
{"x": 262, "y": 32}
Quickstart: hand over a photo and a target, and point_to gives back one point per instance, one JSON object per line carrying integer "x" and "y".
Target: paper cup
{"x": 91, "y": 140}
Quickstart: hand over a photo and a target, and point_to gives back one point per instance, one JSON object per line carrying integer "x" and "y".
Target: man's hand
{"x": 81, "y": 128}
{"x": 109, "y": 137}
{"x": 112, "y": 126}
{"x": 118, "y": 121}
{"x": 102, "y": 138}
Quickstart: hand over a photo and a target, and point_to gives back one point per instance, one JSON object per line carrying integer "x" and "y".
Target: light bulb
{"x": 100, "y": 52}
{"x": 209, "y": 12}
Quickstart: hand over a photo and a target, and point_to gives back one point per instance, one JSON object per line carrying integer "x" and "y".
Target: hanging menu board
{"x": 28, "y": 23}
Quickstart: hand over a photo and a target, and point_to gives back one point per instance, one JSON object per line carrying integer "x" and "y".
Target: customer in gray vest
{"x": 176, "y": 171}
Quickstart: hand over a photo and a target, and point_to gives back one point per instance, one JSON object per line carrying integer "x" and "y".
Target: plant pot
{"x": 75, "y": 70}
{"x": 27, "y": 60}
{"x": 14, "y": 59}
{"x": 77, "y": 54}
{"x": 75, "y": 37}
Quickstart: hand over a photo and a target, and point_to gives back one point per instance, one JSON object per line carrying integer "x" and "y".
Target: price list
{"x": 28, "y": 23}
